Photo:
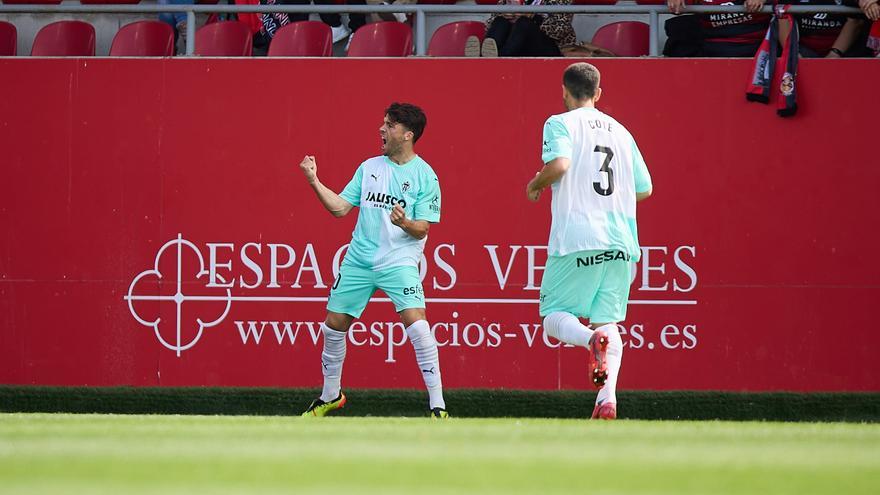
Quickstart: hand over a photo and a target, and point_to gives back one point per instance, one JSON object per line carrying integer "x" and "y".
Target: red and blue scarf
{"x": 764, "y": 70}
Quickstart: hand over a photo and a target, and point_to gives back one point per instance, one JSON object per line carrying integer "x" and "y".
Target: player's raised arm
{"x": 337, "y": 206}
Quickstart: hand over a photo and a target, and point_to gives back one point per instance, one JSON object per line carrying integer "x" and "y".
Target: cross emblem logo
{"x": 163, "y": 293}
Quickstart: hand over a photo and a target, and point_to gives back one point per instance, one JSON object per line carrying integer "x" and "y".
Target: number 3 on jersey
{"x": 606, "y": 167}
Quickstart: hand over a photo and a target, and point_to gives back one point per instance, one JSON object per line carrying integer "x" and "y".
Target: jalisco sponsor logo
{"x": 383, "y": 200}
{"x": 262, "y": 273}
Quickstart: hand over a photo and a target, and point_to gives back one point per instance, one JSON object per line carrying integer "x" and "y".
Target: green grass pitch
{"x": 132, "y": 454}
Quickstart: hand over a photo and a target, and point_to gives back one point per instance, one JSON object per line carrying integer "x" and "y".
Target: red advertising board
{"x": 156, "y": 229}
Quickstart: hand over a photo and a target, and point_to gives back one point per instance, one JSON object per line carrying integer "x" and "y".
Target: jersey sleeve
{"x": 427, "y": 207}
{"x": 557, "y": 141}
{"x": 640, "y": 170}
{"x": 352, "y": 191}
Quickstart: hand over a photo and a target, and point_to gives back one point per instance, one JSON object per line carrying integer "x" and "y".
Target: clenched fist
{"x": 398, "y": 216}
{"x": 532, "y": 192}
{"x": 309, "y": 168}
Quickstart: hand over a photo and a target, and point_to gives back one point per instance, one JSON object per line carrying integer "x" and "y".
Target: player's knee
{"x": 411, "y": 316}
{"x": 338, "y": 321}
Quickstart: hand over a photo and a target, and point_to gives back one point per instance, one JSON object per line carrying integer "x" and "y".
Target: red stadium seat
{"x": 143, "y": 39}
{"x": 65, "y": 39}
{"x": 624, "y": 39}
{"x": 382, "y": 39}
{"x": 574, "y": 2}
{"x": 225, "y": 39}
{"x": 19, "y": 2}
{"x": 8, "y": 39}
{"x": 302, "y": 39}
{"x": 108, "y": 2}
{"x": 448, "y": 40}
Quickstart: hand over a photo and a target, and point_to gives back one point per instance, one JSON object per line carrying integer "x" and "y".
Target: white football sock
{"x": 566, "y": 327}
{"x": 423, "y": 343}
{"x": 613, "y": 355}
{"x": 331, "y": 362}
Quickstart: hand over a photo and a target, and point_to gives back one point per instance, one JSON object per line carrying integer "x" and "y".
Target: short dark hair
{"x": 581, "y": 80}
{"x": 411, "y": 116}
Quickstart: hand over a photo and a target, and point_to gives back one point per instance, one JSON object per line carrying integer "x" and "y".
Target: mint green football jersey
{"x": 378, "y": 185}
{"x": 594, "y": 203}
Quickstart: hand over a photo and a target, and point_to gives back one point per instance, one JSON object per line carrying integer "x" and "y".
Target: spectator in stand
{"x": 524, "y": 35}
{"x": 264, "y": 25}
{"x": 355, "y": 21}
{"x": 399, "y": 17}
{"x": 385, "y": 16}
{"x": 339, "y": 30}
{"x": 829, "y": 35}
{"x": 871, "y": 8}
{"x": 177, "y": 21}
{"x": 725, "y": 34}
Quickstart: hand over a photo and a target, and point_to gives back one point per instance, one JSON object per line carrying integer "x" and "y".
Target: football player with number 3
{"x": 597, "y": 174}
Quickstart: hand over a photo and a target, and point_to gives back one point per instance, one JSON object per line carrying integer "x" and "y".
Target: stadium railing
{"x": 420, "y": 11}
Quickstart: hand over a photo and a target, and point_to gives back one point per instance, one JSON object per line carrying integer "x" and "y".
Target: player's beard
{"x": 390, "y": 149}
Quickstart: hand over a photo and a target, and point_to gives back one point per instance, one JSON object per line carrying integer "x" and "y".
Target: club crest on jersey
{"x": 405, "y": 186}
{"x": 786, "y": 87}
